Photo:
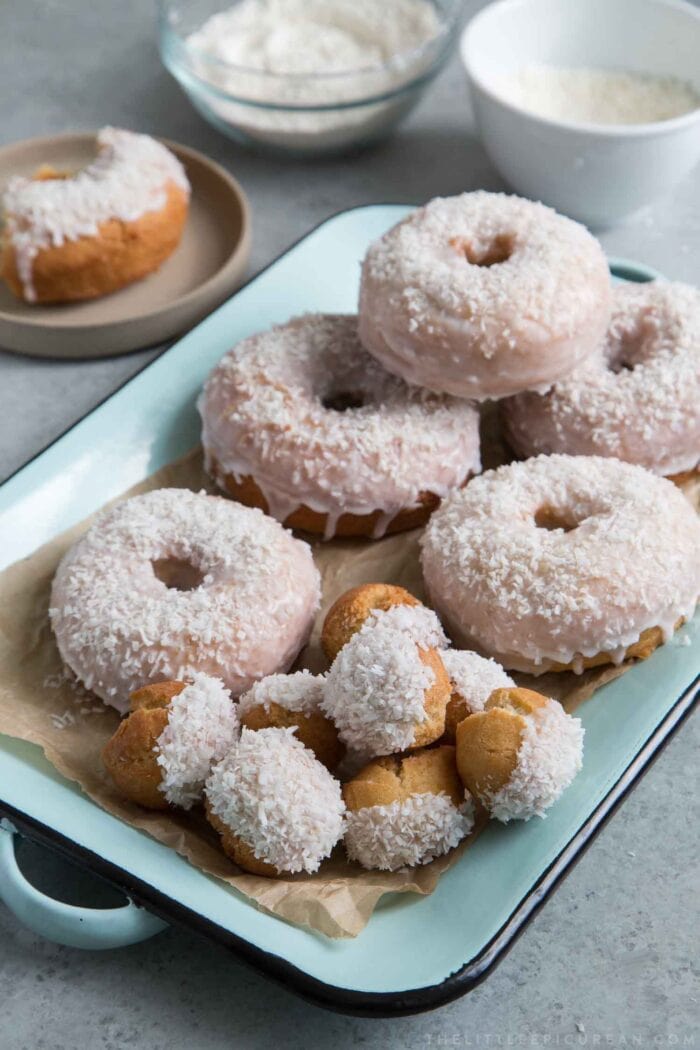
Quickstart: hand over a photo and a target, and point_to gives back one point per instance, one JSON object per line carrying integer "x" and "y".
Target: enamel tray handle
{"x": 93, "y": 928}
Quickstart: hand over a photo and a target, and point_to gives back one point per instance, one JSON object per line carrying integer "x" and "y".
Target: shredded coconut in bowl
{"x": 301, "y": 691}
{"x": 202, "y": 726}
{"x": 278, "y": 799}
{"x": 297, "y": 55}
{"x": 550, "y": 756}
{"x": 406, "y": 833}
{"x": 375, "y": 690}
{"x": 474, "y": 677}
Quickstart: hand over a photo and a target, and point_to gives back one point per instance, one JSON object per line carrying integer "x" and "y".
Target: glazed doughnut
{"x": 79, "y": 236}
{"x": 387, "y": 689}
{"x": 484, "y": 295}
{"x": 301, "y": 422}
{"x": 350, "y": 611}
{"x": 404, "y": 811}
{"x": 293, "y": 700}
{"x": 162, "y": 753}
{"x": 173, "y": 581}
{"x": 277, "y": 809}
{"x": 563, "y": 562}
{"x": 637, "y": 399}
{"x": 519, "y": 754}
{"x": 472, "y": 680}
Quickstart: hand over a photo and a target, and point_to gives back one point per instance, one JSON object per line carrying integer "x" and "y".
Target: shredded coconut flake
{"x": 549, "y": 757}
{"x": 271, "y": 792}
{"x": 406, "y": 833}
{"x": 597, "y": 96}
{"x": 202, "y": 726}
{"x": 301, "y": 691}
{"x": 375, "y": 690}
{"x": 474, "y": 677}
{"x": 418, "y": 622}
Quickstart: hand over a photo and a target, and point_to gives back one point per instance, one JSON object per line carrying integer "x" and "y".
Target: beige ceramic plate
{"x": 208, "y": 264}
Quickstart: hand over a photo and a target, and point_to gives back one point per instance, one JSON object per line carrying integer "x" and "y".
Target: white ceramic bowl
{"x": 594, "y": 173}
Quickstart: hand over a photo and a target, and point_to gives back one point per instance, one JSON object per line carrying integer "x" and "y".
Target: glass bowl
{"x": 299, "y": 113}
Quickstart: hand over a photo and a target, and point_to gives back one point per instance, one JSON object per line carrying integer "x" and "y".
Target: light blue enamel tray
{"x": 480, "y": 904}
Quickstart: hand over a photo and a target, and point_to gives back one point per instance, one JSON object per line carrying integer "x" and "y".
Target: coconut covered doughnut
{"x": 293, "y": 700}
{"x": 472, "y": 680}
{"x": 351, "y": 610}
{"x": 302, "y": 422}
{"x": 387, "y": 689}
{"x": 519, "y": 754}
{"x": 162, "y": 753}
{"x": 404, "y": 811}
{"x": 637, "y": 399}
{"x": 173, "y": 581}
{"x": 563, "y": 562}
{"x": 484, "y": 295}
{"x": 277, "y": 809}
{"x": 71, "y": 237}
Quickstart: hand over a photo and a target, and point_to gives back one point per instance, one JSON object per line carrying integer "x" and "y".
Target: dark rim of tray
{"x": 332, "y": 997}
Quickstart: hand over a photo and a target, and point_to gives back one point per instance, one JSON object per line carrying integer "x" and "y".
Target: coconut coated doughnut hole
{"x": 162, "y": 752}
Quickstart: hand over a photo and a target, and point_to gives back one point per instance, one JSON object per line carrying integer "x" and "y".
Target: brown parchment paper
{"x": 39, "y": 703}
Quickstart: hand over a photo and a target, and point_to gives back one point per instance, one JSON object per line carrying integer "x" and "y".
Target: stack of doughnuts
{"x": 361, "y": 425}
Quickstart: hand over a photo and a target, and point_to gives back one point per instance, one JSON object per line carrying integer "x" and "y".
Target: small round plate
{"x": 205, "y": 268}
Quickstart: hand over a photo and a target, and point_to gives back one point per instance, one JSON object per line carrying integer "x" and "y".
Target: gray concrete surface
{"x": 609, "y": 961}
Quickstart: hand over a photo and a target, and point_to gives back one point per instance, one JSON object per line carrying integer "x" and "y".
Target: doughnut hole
{"x": 488, "y": 252}
{"x": 177, "y": 574}
{"x": 517, "y": 700}
{"x": 157, "y": 694}
{"x": 314, "y": 730}
{"x": 487, "y": 750}
{"x": 396, "y": 778}
{"x": 349, "y": 612}
{"x": 436, "y": 700}
{"x": 131, "y": 760}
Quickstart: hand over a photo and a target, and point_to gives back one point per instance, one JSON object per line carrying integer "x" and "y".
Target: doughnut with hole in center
{"x": 563, "y": 562}
{"x": 637, "y": 399}
{"x": 302, "y": 422}
{"x": 174, "y": 581}
{"x": 484, "y": 295}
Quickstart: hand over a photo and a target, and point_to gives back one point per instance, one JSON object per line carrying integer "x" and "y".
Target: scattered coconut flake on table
{"x": 597, "y": 96}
